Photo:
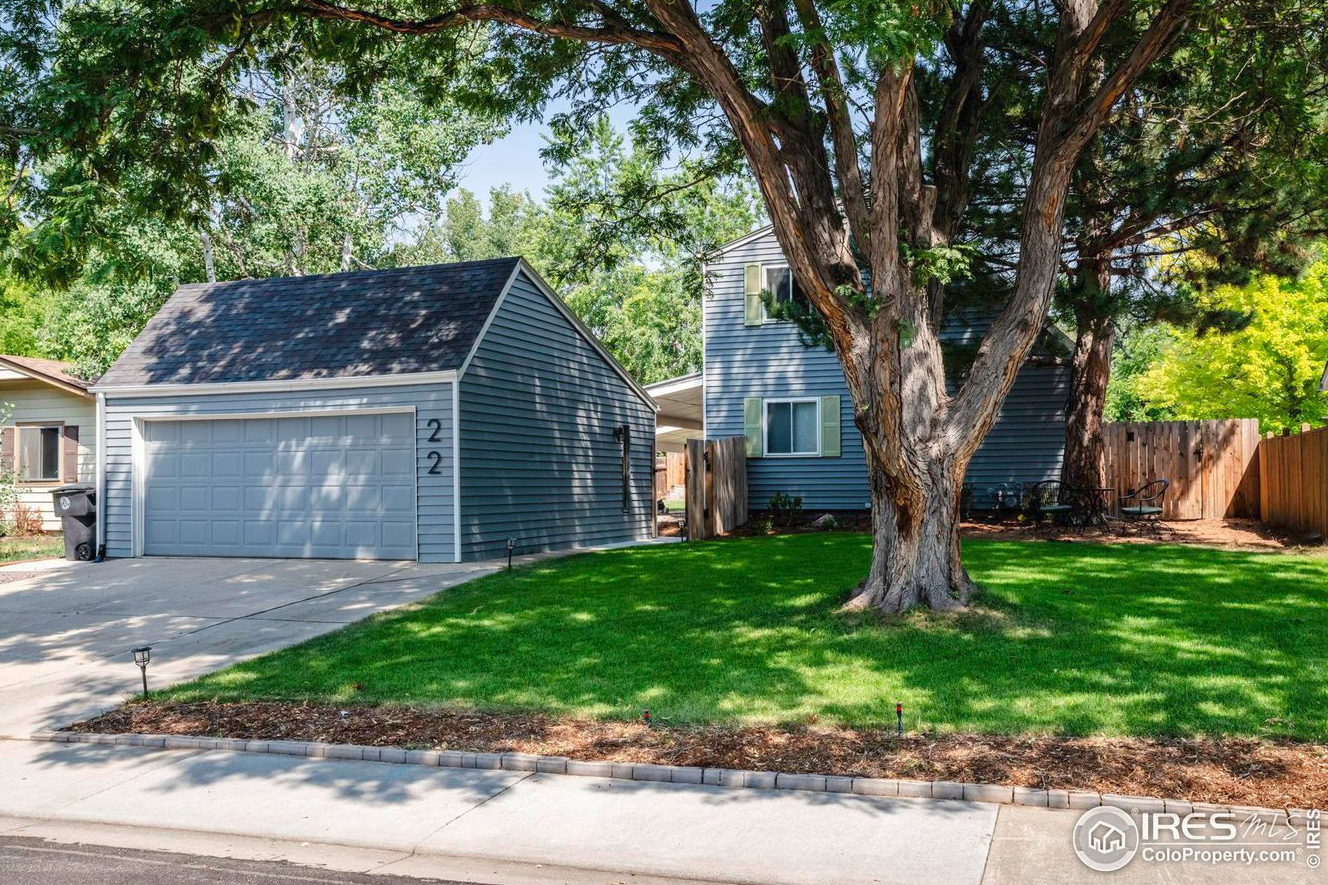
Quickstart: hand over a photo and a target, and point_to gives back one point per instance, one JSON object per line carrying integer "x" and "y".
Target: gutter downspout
{"x": 101, "y": 478}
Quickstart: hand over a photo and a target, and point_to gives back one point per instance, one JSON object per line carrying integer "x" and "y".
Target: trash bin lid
{"x": 74, "y": 487}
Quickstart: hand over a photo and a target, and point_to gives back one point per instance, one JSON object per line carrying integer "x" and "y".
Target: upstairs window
{"x": 38, "y": 453}
{"x": 793, "y": 427}
{"x": 781, "y": 285}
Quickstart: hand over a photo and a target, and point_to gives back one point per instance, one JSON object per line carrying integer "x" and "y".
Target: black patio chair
{"x": 1050, "y": 498}
{"x": 1147, "y": 502}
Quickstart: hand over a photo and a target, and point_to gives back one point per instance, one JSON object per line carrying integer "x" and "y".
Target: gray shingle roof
{"x": 388, "y": 322}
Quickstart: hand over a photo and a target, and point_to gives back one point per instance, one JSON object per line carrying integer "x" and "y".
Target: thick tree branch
{"x": 614, "y": 31}
{"x": 843, "y": 140}
{"x": 1066, "y": 128}
{"x": 1161, "y": 32}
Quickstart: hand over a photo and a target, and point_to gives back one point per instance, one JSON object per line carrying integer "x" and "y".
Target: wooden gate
{"x": 716, "y": 484}
{"x": 1212, "y": 465}
{"x": 1294, "y": 480}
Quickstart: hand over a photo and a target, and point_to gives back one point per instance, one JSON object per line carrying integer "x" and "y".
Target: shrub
{"x": 784, "y": 510}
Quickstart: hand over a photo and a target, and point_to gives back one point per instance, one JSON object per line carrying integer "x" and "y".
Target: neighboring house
{"x": 49, "y": 437}
{"x": 426, "y": 413}
{"x": 792, "y": 404}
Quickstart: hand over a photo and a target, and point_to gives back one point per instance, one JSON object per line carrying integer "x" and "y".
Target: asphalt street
{"x": 26, "y": 861}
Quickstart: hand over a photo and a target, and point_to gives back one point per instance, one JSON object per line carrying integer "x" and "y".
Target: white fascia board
{"x": 675, "y": 385}
{"x": 740, "y": 241}
{"x": 291, "y": 386}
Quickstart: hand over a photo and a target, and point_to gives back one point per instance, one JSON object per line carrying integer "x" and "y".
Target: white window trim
{"x": 765, "y": 270}
{"x": 765, "y": 426}
{"x": 59, "y": 427}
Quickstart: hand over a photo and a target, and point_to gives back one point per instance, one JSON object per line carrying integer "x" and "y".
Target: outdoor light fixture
{"x": 511, "y": 546}
{"x": 142, "y": 657}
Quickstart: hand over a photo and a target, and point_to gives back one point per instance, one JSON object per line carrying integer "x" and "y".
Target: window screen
{"x": 792, "y": 428}
{"x": 38, "y": 454}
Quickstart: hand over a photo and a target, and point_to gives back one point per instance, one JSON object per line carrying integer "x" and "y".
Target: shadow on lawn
{"x": 1069, "y": 638}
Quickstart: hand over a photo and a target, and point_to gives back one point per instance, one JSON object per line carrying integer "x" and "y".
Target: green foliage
{"x": 784, "y": 509}
{"x": 23, "y": 308}
{"x": 620, "y": 237}
{"x": 1137, "y": 349}
{"x": 1268, "y": 370}
{"x": 1078, "y": 639}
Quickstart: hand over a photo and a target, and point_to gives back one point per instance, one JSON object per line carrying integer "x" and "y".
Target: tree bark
{"x": 1084, "y": 465}
{"x": 915, "y": 545}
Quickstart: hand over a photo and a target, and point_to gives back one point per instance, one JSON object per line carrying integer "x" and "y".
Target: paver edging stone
{"x": 998, "y": 794}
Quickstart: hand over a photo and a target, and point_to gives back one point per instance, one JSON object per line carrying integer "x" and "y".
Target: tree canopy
{"x": 1269, "y": 370}
{"x": 858, "y": 123}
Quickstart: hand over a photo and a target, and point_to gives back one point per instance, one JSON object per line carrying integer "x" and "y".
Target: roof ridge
{"x": 359, "y": 274}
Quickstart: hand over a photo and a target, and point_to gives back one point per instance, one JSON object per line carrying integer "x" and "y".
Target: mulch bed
{"x": 1230, "y": 771}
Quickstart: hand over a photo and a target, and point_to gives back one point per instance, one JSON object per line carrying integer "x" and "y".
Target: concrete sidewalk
{"x": 516, "y": 827}
{"x": 672, "y": 830}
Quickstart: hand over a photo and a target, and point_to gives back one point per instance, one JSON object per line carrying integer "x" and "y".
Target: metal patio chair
{"x": 1146, "y": 506}
{"x": 1052, "y": 499}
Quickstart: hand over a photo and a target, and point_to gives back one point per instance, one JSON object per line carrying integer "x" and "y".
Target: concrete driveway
{"x": 66, "y": 629}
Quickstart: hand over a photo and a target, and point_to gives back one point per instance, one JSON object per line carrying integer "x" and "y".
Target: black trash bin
{"x": 76, "y": 505}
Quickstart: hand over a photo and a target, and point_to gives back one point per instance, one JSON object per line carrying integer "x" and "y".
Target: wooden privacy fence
{"x": 675, "y": 465}
{"x": 716, "y": 484}
{"x": 670, "y": 471}
{"x": 1213, "y": 466}
{"x": 1293, "y": 489}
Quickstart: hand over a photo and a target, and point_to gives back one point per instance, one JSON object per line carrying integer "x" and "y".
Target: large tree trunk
{"x": 915, "y": 547}
{"x": 1085, "y": 459}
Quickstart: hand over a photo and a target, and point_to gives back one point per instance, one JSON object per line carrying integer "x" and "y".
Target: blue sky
{"x": 513, "y": 160}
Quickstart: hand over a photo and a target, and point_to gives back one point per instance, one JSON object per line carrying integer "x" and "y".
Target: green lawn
{"x": 1069, "y": 638}
{"x": 39, "y": 547}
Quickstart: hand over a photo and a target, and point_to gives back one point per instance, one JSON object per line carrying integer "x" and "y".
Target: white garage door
{"x": 333, "y": 487}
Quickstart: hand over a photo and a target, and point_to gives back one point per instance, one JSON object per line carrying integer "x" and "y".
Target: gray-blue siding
{"x": 539, "y": 460}
{"x": 1025, "y": 445}
{"x": 431, "y": 401}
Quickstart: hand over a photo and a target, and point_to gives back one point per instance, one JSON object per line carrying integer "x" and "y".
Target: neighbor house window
{"x": 780, "y": 284}
{"x": 38, "y": 451}
{"x": 792, "y": 427}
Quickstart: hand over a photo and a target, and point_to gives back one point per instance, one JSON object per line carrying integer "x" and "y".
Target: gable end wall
{"x": 539, "y": 462}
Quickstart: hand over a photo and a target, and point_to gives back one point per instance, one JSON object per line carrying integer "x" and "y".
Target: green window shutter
{"x": 751, "y": 294}
{"x": 829, "y": 427}
{"x": 751, "y": 425}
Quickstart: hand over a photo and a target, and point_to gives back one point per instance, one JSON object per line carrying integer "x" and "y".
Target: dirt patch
{"x": 1229, "y": 770}
{"x": 1229, "y": 534}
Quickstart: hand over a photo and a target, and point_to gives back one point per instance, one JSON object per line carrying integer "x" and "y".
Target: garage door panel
{"x": 397, "y": 499}
{"x": 226, "y": 464}
{"x": 325, "y": 486}
{"x": 225, "y": 532}
{"x": 398, "y": 463}
{"x": 195, "y": 531}
{"x": 162, "y": 531}
{"x": 195, "y": 432}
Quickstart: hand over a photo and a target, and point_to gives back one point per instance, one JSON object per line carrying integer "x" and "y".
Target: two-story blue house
{"x": 791, "y": 403}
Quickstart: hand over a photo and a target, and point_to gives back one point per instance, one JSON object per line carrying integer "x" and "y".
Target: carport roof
{"x": 343, "y": 325}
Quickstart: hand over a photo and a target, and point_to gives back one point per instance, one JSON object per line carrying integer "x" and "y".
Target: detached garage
{"x": 425, "y": 413}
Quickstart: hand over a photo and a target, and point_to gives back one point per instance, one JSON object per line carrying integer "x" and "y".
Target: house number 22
{"x": 435, "y": 460}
